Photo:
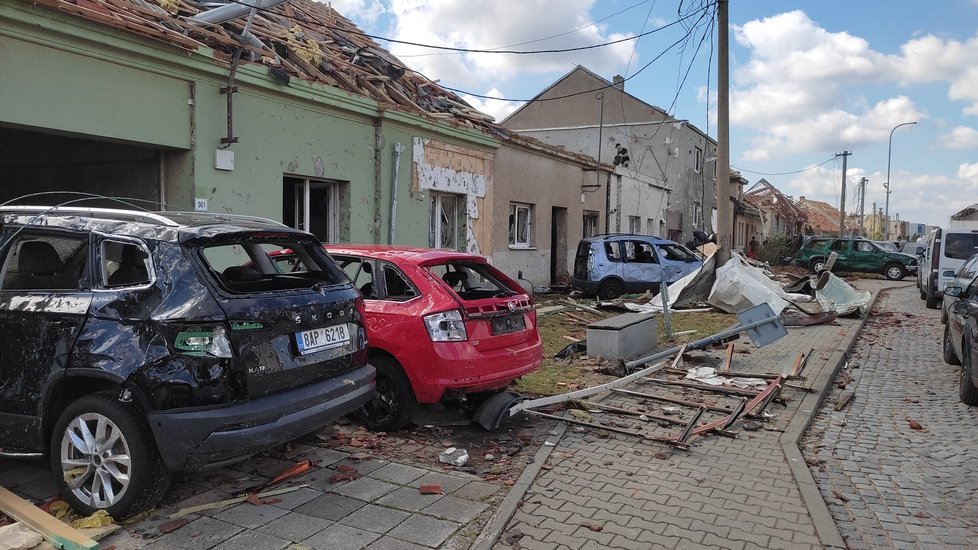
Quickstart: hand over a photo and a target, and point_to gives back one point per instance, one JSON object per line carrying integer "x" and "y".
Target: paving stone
{"x": 249, "y": 516}
{"x": 375, "y": 518}
{"x": 253, "y": 540}
{"x": 424, "y": 530}
{"x": 476, "y": 490}
{"x": 330, "y": 506}
{"x": 408, "y": 498}
{"x": 365, "y": 488}
{"x": 295, "y": 527}
{"x": 401, "y": 474}
{"x": 296, "y": 498}
{"x": 199, "y": 534}
{"x": 455, "y": 509}
{"x": 390, "y": 543}
{"x": 340, "y": 537}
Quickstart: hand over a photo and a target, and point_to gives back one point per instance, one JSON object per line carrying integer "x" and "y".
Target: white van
{"x": 947, "y": 250}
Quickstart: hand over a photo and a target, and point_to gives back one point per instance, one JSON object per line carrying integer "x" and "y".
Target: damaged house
{"x": 289, "y": 113}
{"x": 664, "y": 179}
{"x": 780, "y": 216}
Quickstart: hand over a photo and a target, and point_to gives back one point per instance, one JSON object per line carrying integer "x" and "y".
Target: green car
{"x": 855, "y": 254}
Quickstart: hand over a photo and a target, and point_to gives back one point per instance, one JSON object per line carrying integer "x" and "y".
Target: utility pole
{"x": 842, "y": 201}
{"x": 724, "y": 206}
{"x": 874, "y": 219}
{"x": 862, "y": 206}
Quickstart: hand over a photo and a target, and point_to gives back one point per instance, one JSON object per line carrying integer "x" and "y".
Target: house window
{"x": 697, "y": 214}
{"x": 634, "y": 224}
{"x": 520, "y": 224}
{"x": 444, "y": 222}
{"x": 649, "y": 226}
{"x": 590, "y": 223}
{"x": 314, "y": 206}
{"x": 697, "y": 159}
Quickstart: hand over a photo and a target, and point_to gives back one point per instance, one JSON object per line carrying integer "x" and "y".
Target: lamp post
{"x": 889, "y": 153}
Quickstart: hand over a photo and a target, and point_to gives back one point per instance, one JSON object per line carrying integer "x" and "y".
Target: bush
{"x": 776, "y": 249}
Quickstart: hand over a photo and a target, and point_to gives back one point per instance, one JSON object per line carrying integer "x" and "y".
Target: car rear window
{"x": 473, "y": 281}
{"x": 676, "y": 252}
{"x": 960, "y": 246}
{"x": 263, "y": 265}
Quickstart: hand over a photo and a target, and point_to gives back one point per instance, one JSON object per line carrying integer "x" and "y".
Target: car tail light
{"x": 446, "y": 326}
{"x": 204, "y": 343}
{"x": 590, "y": 260}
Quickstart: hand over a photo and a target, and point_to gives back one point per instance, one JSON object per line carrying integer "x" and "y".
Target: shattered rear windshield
{"x": 472, "y": 281}
{"x": 259, "y": 265}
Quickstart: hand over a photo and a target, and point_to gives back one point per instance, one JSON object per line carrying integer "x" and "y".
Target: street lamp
{"x": 886, "y": 185}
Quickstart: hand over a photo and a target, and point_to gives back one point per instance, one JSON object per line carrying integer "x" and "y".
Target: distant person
{"x": 752, "y": 248}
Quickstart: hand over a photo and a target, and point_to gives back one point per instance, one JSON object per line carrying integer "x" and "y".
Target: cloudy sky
{"x": 808, "y": 79}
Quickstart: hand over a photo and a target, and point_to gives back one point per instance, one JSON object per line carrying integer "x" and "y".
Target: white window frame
{"x": 697, "y": 159}
{"x": 591, "y": 220}
{"x": 697, "y": 214}
{"x": 515, "y": 209}
{"x": 635, "y": 225}
{"x": 302, "y": 204}
{"x": 437, "y": 199}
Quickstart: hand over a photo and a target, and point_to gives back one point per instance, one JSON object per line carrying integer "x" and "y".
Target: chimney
{"x": 801, "y": 198}
{"x": 619, "y": 82}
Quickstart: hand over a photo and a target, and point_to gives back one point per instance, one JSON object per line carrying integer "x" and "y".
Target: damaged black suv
{"x": 136, "y": 344}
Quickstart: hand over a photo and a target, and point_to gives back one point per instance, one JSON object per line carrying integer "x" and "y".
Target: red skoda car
{"x": 440, "y": 325}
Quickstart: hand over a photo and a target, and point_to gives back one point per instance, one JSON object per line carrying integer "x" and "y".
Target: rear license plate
{"x": 319, "y": 339}
{"x": 510, "y": 323}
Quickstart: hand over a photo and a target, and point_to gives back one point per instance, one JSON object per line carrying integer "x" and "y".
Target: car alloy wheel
{"x": 107, "y": 458}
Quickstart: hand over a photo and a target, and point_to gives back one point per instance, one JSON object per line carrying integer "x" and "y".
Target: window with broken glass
{"x": 315, "y": 206}
{"x": 634, "y": 224}
{"x": 520, "y": 223}
{"x": 590, "y": 223}
{"x": 445, "y": 210}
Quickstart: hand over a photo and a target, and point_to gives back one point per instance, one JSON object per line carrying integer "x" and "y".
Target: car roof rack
{"x": 109, "y": 213}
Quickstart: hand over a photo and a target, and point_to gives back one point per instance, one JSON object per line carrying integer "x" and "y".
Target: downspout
{"x": 378, "y": 190}
{"x": 398, "y": 149}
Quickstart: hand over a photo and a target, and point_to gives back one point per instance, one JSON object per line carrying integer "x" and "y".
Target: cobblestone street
{"x": 887, "y": 485}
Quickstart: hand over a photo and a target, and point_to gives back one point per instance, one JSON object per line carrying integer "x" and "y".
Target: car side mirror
{"x": 953, "y": 291}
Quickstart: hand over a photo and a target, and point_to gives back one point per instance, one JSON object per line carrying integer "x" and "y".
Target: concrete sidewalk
{"x": 754, "y": 491}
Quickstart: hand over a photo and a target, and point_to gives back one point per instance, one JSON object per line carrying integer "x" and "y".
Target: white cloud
{"x": 488, "y": 24}
{"x": 496, "y": 108}
{"x": 961, "y": 137}
{"x": 365, "y": 12}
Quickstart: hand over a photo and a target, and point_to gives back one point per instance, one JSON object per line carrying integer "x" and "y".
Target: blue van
{"x": 611, "y": 265}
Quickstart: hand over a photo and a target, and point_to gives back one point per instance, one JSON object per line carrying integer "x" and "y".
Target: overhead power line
{"x": 783, "y": 173}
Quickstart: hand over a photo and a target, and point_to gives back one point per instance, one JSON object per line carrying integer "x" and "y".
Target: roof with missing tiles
{"x": 299, "y": 38}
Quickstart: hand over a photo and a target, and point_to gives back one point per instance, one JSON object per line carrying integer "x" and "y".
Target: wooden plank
{"x": 797, "y": 366}
{"x": 60, "y": 534}
{"x": 844, "y": 400}
{"x": 729, "y": 360}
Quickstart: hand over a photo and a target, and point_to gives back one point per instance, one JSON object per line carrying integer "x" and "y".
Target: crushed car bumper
{"x": 197, "y": 439}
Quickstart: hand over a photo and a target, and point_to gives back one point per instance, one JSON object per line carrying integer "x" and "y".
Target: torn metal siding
{"x": 438, "y": 166}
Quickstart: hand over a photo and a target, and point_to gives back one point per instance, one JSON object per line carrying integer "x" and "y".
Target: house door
{"x": 558, "y": 246}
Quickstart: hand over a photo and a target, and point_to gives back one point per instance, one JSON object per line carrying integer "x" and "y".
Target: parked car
{"x": 947, "y": 249}
{"x": 888, "y": 246}
{"x": 444, "y": 327}
{"x": 611, "y": 265}
{"x": 962, "y": 278}
{"x": 135, "y": 345}
{"x": 855, "y": 254}
{"x": 959, "y": 346}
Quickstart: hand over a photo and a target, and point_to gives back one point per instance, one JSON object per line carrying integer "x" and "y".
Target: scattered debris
{"x": 347, "y": 473}
{"x": 844, "y": 400}
{"x": 433, "y": 489}
{"x": 914, "y": 425}
{"x": 60, "y": 534}
{"x": 840, "y": 496}
{"x": 593, "y": 526}
{"x": 18, "y": 536}
{"x": 231, "y": 501}
{"x": 454, "y": 457}
{"x": 173, "y": 525}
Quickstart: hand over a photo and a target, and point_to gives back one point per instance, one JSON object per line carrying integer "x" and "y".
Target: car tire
{"x": 923, "y": 294}
{"x": 394, "y": 402}
{"x": 932, "y": 302}
{"x": 817, "y": 265}
{"x": 894, "y": 272}
{"x": 610, "y": 289}
{"x": 967, "y": 390}
{"x": 110, "y": 441}
{"x": 950, "y": 357}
